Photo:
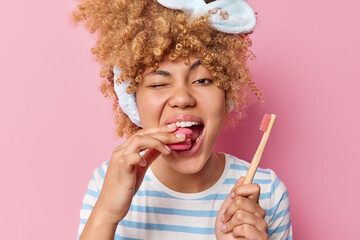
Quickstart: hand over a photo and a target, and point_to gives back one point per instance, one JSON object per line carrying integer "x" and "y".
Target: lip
{"x": 183, "y": 118}
{"x": 194, "y": 150}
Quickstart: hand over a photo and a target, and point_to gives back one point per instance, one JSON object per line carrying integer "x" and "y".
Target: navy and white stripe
{"x": 157, "y": 212}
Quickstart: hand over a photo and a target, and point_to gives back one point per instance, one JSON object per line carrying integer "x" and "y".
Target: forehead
{"x": 179, "y": 64}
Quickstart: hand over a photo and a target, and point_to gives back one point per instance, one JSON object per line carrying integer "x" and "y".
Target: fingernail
{"x": 171, "y": 125}
{"x": 232, "y": 195}
{"x": 142, "y": 162}
{"x": 222, "y": 219}
{"x": 223, "y": 227}
{"x": 180, "y": 135}
{"x": 167, "y": 148}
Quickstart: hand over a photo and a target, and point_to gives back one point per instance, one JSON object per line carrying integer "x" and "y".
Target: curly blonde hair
{"x": 133, "y": 35}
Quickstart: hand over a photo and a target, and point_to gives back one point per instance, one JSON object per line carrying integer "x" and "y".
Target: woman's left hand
{"x": 240, "y": 216}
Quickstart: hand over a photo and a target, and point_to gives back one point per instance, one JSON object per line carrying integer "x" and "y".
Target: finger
{"x": 169, "y": 138}
{"x": 242, "y": 203}
{"x": 244, "y": 217}
{"x": 251, "y": 191}
{"x": 158, "y": 129}
{"x": 139, "y": 143}
{"x": 164, "y": 129}
{"x": 249, "y": 232}
{"x": 166, "y": 138}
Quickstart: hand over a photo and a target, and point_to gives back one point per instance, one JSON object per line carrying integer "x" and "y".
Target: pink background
{"x": 56, "y": 127}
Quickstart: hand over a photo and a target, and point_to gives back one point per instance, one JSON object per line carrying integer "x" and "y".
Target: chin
{"x": 188, "y": 165}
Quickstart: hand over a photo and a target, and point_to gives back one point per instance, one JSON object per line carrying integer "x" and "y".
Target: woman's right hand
{"x": 127, "y": 168}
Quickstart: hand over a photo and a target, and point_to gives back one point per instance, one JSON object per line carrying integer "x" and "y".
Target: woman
{"x": 174, "y": 71}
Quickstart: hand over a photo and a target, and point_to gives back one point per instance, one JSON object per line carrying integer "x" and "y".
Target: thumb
{"x": 150, "y": 155}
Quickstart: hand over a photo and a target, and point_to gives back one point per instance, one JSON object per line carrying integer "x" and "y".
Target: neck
{"x": 190, "y": 183}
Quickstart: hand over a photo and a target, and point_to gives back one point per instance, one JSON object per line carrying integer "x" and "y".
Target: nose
{"x": 182, "y": 97}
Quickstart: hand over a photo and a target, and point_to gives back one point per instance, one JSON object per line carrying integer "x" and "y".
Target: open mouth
{"x": 194, "y": 133}
{"x": 197, "y": 132}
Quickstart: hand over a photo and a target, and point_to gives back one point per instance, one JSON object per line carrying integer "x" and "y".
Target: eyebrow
{"x": 194, "y": 65}
{"x": 167, "y": 74}
{"x": 161, "y": 73}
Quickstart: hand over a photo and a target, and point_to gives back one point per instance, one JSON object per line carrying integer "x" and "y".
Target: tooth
{"x": 197, "y": 139}
{"x": 188, "y": 124}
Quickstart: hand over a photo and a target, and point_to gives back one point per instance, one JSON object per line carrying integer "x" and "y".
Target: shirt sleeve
{"x": 279, "y": 225}
{"x": 91, "y": 195}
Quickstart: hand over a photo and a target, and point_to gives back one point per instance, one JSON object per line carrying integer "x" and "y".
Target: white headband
{"x": 229, "y": 16}
{"x": 127, "y": 101}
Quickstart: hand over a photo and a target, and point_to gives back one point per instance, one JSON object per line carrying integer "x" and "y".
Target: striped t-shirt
{"x": 158, "y": 212}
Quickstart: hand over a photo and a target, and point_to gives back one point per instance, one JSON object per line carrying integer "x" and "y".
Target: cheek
{"x": 150, "y": 108}
{"x": 214, "y": 103}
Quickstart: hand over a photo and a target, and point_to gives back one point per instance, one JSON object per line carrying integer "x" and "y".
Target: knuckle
{"x": 121, "y": 161}
{"x": 140, "y": 132}
{"x": 239, "y": 216}
{"x": 119, "y": 164}
{"x": 239, "y": 202}
{"x": 136, "y": 138}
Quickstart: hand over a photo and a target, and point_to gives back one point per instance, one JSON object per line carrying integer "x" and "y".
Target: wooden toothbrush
{"x": 265, "y": 126}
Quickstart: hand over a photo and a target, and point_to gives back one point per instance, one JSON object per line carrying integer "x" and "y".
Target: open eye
{"x": 204, "y": 81}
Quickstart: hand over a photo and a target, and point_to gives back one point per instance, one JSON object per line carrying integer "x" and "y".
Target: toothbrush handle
{"x": 256, "y": 159}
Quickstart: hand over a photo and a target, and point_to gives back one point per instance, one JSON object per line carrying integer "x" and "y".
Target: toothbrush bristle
{"x": 265, "y": 122}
